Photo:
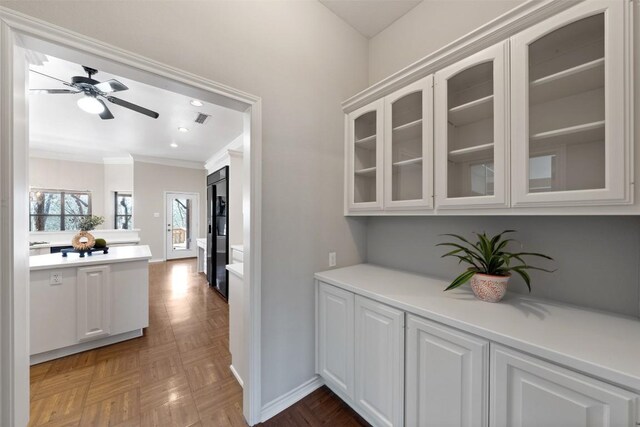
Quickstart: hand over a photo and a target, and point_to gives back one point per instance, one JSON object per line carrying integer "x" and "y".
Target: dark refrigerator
{"x": 217, "y": 232}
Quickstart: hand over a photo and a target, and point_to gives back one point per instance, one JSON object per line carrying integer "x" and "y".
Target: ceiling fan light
{"x": 90, "y": 104}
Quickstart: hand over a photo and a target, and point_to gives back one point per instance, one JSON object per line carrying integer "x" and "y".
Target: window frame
{"x": 62, "y": 215}
{"x": 115, "y": 210}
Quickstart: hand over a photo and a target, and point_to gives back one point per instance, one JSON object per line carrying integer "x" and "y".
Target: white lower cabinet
{"x": 528, "y": 392}
{"x": 93, "y": 302}
{"x": 335, "y": 328}
{"x": 379, "y": 360}
{"x": 446, "y": 376}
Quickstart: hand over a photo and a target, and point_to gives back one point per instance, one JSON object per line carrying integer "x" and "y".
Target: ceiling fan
{"x": 93, "y": 90}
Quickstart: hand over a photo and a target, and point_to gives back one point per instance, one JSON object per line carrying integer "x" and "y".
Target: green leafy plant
{"x": 489, "y": 255}
{"x": 88, "y": 223}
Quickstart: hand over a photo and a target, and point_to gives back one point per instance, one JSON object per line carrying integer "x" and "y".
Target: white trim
{"x": 14, "y": 370}
{"x": 156, "y": 260}
{"x": 236, "y": 375}
{"x": 281, "y": 403}
{"x": 501, "y": 28}
{"x": 168, "y": 162}
{"x": 218, "y": 160}
{"x": 128, "y": 160}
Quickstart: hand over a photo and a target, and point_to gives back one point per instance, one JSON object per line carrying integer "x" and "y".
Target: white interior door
{"x": 181, "y": 225}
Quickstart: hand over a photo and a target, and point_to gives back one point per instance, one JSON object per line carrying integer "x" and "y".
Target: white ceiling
{"x": 57, "y": 125}
{"x": 370, "y": 17}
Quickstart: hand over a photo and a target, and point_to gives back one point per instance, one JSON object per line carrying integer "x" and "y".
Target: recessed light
{"x": 183, "y": 129}
{"x": 196, "y": 103}
{"x": 174, "y": 145}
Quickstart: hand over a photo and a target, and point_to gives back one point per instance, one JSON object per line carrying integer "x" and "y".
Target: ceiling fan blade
{"x": 111, "y": 86}
{"x": 134, "y": 107}
{"x": 106, "y": 114}
{"x": 54, "y": 91}
{"x": 51, "y": 77}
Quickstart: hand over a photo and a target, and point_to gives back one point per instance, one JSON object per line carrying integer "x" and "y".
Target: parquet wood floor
{"x": 176, "y": 375}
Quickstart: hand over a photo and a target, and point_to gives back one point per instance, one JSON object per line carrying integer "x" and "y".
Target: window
{"x": 56, "y": 210}
{"x": 123, "y": 210}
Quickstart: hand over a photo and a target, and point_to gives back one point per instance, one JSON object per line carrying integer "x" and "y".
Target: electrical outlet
{"x": 332, "y": 259}
{"x": 55, "y": 278}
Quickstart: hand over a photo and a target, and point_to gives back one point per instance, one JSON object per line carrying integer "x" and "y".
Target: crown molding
{"x": 168, "y": 162}
{"x": 501, "y": 28}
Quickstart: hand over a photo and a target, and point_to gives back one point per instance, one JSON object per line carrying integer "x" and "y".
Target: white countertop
{"x": 239, "y": 248}
{"x": 116, "y": 254}
{"x": 601, "y": 344}
{"x": 68, "y": 243}
{"x": 236, "y": 268}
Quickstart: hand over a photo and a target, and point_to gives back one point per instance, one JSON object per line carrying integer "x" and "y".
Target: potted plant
{"x": 84, "y": 240}
{"x": 490, "y": 264}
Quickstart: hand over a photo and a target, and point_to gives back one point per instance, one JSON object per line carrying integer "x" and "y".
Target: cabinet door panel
{"x": 364, "y": 165}
{"x": 379, "y": 359}
{"x": 93, "y": 302}
{"x": 335, "y": 338}
{"x": 527, "y": 392}
{"x": 471, "y": 123}
{"x": 446, "y": 376}
{"x": 570, "y": 131}
{"x": 408, "y": 147}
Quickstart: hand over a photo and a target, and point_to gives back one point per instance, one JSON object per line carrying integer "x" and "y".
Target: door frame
{"x": 196, "y": 221}
{"x": 17, "y": 31}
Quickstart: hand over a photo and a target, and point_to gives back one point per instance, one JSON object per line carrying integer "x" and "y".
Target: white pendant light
{"x": 90, "y": 104}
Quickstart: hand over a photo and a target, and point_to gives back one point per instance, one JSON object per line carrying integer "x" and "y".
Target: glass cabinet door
{"x": 568, "y": 134}
{"x": 409, "y": 147}
{"x": 471, "y": 122}
{"x": 364, "y": 159}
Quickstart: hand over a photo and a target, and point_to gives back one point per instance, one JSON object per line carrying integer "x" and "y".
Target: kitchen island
{"x": 77, "y": 304}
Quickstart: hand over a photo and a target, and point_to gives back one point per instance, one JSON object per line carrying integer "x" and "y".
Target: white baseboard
{"x": 153, "y": 260}
{"x": 237, "y": 375}
{"x": 77, "y": 348}
{"x": 283, "y": 402}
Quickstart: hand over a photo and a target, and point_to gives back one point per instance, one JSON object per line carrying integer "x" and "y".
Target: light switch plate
{"x": 156, "y": 214}
{"x": 332, "y": 259}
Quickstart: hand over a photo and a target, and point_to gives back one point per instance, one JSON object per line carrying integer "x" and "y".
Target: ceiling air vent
{"x": 202, "y": 118}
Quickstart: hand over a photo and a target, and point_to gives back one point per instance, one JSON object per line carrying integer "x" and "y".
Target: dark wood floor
{"x": 176, "y": 375}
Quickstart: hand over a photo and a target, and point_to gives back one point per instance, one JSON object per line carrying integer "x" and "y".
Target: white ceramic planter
{"x": 489, "y": 288}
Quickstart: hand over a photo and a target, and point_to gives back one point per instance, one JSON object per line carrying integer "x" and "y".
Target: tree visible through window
{"x": 56, "y": 210}
{"x": 123, "y": 210}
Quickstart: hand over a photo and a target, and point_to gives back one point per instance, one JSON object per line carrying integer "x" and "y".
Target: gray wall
{"x": 150, "y": 182}
{"x": 597, "y": 258}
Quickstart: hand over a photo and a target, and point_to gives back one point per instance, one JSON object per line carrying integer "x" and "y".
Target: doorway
{"x": 21, "y": 33}
{"x": 181, "y": 213}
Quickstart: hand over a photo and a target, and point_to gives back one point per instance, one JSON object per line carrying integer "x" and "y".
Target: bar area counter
{"x": 77, "y": 304}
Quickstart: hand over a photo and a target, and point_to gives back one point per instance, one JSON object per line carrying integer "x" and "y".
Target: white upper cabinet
{"x": 364, "y": 158}
{"x": 471, "y": 123}
{"x": 570, "y": 124}
{"x": 408, "y": 147}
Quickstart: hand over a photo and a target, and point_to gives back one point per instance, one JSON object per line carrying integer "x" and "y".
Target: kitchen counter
{"x": 604, "y": 345}
{"x": 115, "y": 255}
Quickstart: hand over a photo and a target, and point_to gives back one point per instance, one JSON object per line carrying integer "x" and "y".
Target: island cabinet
{"x": 407, "y": 355}
{"x": 77, "y": 304}
{"x": 532, "y": 115}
